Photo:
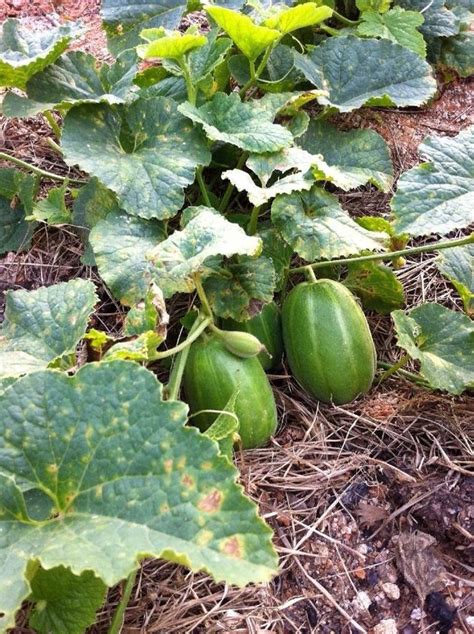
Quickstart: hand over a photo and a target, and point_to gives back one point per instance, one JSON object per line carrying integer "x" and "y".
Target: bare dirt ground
{"x": 372, "y": 504}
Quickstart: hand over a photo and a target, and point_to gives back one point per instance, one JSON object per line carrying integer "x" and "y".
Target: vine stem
{"x": 187, "y": 342}
{"x": 202, "y": 296}
{"x": 394, "y": 368}
{"x": 252, "y": 226}
{"x": 416, "y": 378}
{"x": 38, "y": 170}
{"x": 255, "y": 74}
{"x": 434, "y": 246}
{"x": 48, "y": 115}
{"x": 309, "y": 271}
{"x": 345, "y": 20}
{"x": 117, "y": 620}
{"x": 191, "y": 90}
{"x": 202, "y": 187}
{"x": 230, "y": 188}
{"x": 176, "y": 375}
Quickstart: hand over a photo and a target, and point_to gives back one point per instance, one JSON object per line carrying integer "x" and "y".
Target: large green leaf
{"x": 354, "y": 158}
{"x": 438, "y": 196}
{"x": 124, "y": 480}
{"x": 443, "y": 341}
{"x": 439, "y": 21}
{"x": 93, "y": 203}
{"x": 359, "y": 72}
{"x": 72, "y": 80}
{"x": 204, "y": 60}
{"x": 298, "y": 17}
{"x": 124, "y": 19}
{"x": 185, "y": 252}
{"x": 397, "y": 25}
{"x": 317, "y": 227}
{"x": 377, "y": 286}
{"x": 458, "y": 266}
{"x": 43, "y": 325}
{"x": 25, "y": 51}
{"x": 458, "y": 52}
{"x": 65, "y": 602}
{"x": 147, "y": 153}
{"x": 120, "y": 244}
{"x": 250, "y": 38}
{"x": 226, "y": 118}
{"x": 235, "y": 286}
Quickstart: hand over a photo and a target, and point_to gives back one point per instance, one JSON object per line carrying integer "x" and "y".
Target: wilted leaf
{"x": 377, "y": 286}
{"x": 147, "y": 153}
{"x": 242, "y": 181}
{"x": 358, "y": 72}
{"x": 443, "y": 341}
{"x": 125, "y": 480}
{"x": 120, "y": 244}
{"x": 226, "y": 118}
{"x": 185, "y": 252}
{"x": 148, "y": 315}
{"x": 142, "y": 349}
{"x": 354, "y": 158}
{"x": 397, "y": 25}
{"x": 317, "y": 227}
{"x": 25, "y": 51}
{"x": 458, "y": 266}
{"x": 438, "y": 196}
{"x": 65, "y": 602}
{"x": 237, "y": 284}
{"x": 43, "y": 325}
{"x": 419, "y": 564}
{"x": 250, "y": 38}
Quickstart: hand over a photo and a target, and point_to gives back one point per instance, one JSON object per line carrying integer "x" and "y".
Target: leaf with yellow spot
{"x": 120, "y": 493}
{"x": 44, "y": 325}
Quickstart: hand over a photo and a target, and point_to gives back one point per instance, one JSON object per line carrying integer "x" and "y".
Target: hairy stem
{"x": 202, "y": 296}
{"x": 176, "y": 375}
{"x": 252, "y": 225}
{"x": 255, "y": 73}
{"x": 117, "y": 620}
{"x": 201, "y": 326}
{"x": 48, "y": 115}
{"x": 202, "y": 187}
{"x": 310, "y": 273}
{"x": 434, "y": 246}
{"x": 192, "y": 93}
{"x": 37, "y": 170}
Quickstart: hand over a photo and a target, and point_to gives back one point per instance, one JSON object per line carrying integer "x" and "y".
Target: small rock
{"x": 362, "y": 601}
{"x": 417, "y": 614}
{"x": 387, "y": 626}
{"x": 470, "y": 621}
{"x": 391, "y": 590}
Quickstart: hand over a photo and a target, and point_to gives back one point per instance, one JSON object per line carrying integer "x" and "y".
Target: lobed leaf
{"x": 226, "y": 118}
{"x": 242, "y": 181}
{"x": 376, "y": 285}
{"x": 121, "y": 482}
{"x": 147, "y": 153}
{"x": 358, "y": 72}
{"x": 458, "y": 266}
{"x": 207, "y": 234}
{"x": 298, "y": 17}
{"x": 439, "y": 21}
{"x": 351, "y": 158}
{"x": 316, "y": 227}
{"x": 120, "y": 244}
{"x": 239, "y": 283}
{"x": 438, "y": 196}
{"x": 169, "y": 44}
{"x": 443, "y": 341}
{"x": 397, "y": 25}
{"x": 43, "y": 325}
{"x": 250, "y": 38}
{"x": 25, "y": 51}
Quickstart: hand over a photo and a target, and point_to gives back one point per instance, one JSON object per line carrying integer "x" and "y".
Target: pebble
{"x": 362, "y": 601}
{"x": 387, "y": 626}
{"x": 391, "y": 590}
{"x": 417, "y": 614}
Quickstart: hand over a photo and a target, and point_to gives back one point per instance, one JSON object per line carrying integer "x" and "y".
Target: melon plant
{"x": 203, "y": 172}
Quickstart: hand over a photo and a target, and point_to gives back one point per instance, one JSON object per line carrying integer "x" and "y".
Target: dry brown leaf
{"x": 369, "y": 514}
{"x": 418, "y": 562}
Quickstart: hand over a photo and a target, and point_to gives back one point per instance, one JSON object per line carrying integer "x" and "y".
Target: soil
{"x": 372, "y": 504}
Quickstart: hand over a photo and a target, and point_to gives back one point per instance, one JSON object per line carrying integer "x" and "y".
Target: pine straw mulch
{"x": 372, "y": 503}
